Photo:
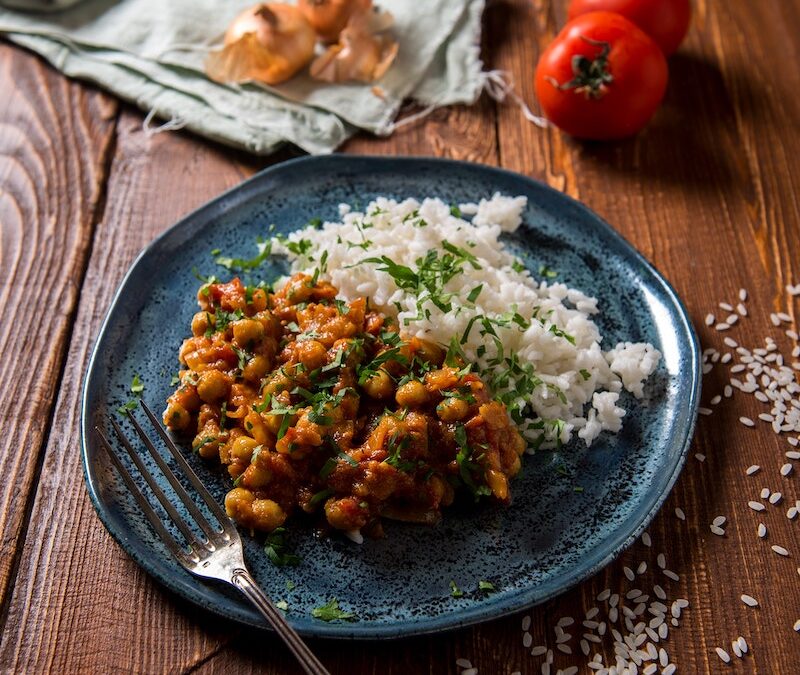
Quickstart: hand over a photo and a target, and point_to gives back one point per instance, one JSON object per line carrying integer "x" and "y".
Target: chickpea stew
{"x": 321, "y": 406}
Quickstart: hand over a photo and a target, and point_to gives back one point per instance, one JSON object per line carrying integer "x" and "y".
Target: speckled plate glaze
{"x": 548, "y": 540}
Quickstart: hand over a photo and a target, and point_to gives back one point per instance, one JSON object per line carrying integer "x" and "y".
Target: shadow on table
{"x": 695, "y": 138}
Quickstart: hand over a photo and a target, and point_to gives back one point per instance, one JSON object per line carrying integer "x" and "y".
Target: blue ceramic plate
{"x": 548, "y": 540}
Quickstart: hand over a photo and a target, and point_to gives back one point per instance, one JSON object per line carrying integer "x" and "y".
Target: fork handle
{"x": 246, "y": 584}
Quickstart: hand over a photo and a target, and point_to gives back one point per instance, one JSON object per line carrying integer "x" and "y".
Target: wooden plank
{"x": 79, "y": 603}
{"x": 55, "y": 138}
{"x": 708, "y": 193}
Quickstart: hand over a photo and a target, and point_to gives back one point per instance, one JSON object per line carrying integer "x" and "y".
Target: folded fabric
{"x": 152, "y": 53}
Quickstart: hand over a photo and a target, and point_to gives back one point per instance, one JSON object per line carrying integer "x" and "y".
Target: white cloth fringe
{"x": 498, "y": 86}
{"x": 173, "y": 124}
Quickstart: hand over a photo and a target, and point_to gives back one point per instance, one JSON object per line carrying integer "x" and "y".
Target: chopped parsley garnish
{"x": 320, "y": 496}
{"x": 455, "y": 591}
{"x": 433, "y": 273}
{"x": 585, "y": 374}
{"x": 455, "y": 211}
{"x": 275, "y": 548}
{"x": 130, "y": 405}
{"x": 174, "y": 380}
{"x": 316, "y": 223}
{"x": 221, "y": 320}
{"x": 395, "y": 447}
{"x": 331, "y": 612}
{"x": 486, "y": 586}
{"x": 517, "y": 266}
{"x": 243, "y": 357}
{"x": 290, "y": 585}
{"x": 466, "y": 465}
{"x": 264, "y": 247}
{"x": 137, "y": 386}
{"x": 299, "y": 247}
{"x": 474, "y": 293}
{"x": 282, "y": 605}
{"x": 545, "y": 271}
{"x": 223, "y": 415}
{"x": 203, "y": 442}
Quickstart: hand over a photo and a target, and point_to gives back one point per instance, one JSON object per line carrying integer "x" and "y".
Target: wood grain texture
{"x": 78, "y": 599}
{"x": 55, "y": 137}
{"x": 708, "y": 192}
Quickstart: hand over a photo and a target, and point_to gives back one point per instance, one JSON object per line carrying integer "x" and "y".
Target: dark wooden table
{"x": 709, "y": 193}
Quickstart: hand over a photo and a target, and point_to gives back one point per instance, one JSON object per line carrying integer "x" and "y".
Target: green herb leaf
{"x": 486, "y": 586}
{"x": 290, "y": 585}
{"x": 137, "y": 386}
{"x": 282, "y": 605}
{"x": 455, "y": 211}
{"x": 130, "y": 405}
{"x": 320, "y": 496}
{"x": 275, "y": 548}
{"x": 264, "y": 248}
{"x": 331, "y": 612}
{"x": 455, "y": 591}
{"x": 474, "y": 293}
{"x": 545, "y": 271}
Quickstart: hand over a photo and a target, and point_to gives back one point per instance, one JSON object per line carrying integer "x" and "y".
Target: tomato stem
{"x": 590, "y": 76}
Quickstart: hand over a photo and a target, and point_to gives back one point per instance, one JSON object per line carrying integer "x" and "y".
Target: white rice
{"x": 579, "y": 384}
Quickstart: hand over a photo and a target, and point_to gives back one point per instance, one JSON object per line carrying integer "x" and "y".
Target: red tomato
{"x": 601, "y": 78}
{"x": 666, "y": 21}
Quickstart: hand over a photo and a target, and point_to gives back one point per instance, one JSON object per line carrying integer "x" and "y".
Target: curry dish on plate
{"x": 324, "y": 406}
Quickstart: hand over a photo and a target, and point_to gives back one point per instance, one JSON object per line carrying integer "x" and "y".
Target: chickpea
{"x": 345, "y": 514}
{"x": 242, "y": 448}
{"x": 259, "y": 301}
{"x": 212, "y": 385}
{"x": 256, "y": 368}
{"x": 272, "y": 326}
{"x": 311, "y": 354}
{"x": 437, "y": 487}
{"x": 239, "y": 504}
{"x": 411, "y": 395}
{"x": 498, "y": 484}
{"x": 267, "y": 515}
{"x": 430, "y": 352}
{"x": 247, "y": 332}
{"x": 201, "y": 323}
{"x": 256, "y": 476}
{"x": 379, "y": 385}
{"x": 176, "y": 417}
{"x": 452, "y": 409}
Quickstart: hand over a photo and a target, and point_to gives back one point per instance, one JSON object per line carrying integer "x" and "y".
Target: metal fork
{"x": 219, "y": 556}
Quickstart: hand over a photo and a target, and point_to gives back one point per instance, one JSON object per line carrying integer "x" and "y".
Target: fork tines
{"x": 215, "y": 537}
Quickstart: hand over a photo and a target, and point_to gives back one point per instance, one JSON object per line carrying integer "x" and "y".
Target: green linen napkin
{"x": 151, "y": 53}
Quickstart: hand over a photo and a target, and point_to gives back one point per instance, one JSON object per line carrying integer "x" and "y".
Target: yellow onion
{"x": 329, "y": 17}
{"x": 361, "y": 54}
{"x": 268, "y": 43}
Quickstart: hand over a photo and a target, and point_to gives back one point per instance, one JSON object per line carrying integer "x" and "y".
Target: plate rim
{"x": 465, "y": 616}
